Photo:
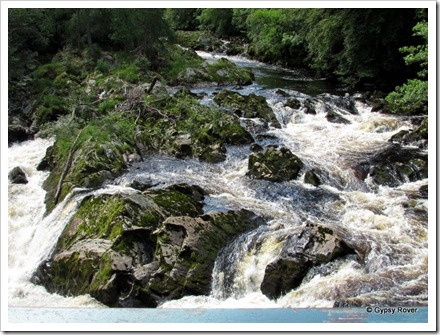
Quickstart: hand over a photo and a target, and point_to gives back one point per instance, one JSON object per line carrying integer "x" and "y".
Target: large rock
{"x": 395, "y": 165}
{"x": 310, "y": 246}
{"x": 222, "y": 72}
{"x": 18, "y": 133}
{"x": 187, "y": 249}
{"x": 141, "y": 249}
{"x": 91, "y": 164}
{"x": 335, "y": 117}
{"x": 417, "y": 137}
{"x": 190, "y": 129}
{"x": 247, "y": 106}
{"x": 17, "y": 176}
{"x": 275, "y": 164}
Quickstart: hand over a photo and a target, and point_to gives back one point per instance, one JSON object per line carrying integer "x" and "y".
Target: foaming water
{"x": 31, "y": 236}
{"x": 386, "y": 225}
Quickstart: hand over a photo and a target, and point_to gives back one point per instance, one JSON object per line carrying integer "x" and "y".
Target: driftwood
{"x": 66, "y": 168}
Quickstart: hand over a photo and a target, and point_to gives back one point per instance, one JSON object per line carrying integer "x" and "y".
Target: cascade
{"x": 394, "y": 269}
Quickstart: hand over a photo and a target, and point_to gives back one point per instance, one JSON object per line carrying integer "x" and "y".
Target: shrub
{"x": 143, "y": 63}
{"x": 410, "y": 99}
{"x": 107, "y": 105}
{"x": 129, "y": 73}
{"x": 103, "y": 66}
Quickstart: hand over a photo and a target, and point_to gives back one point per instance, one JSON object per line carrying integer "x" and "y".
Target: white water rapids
{"x": 394, "y": 269}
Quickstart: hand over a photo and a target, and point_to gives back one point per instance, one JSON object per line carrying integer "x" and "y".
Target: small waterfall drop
{"x": 376, "y": 219}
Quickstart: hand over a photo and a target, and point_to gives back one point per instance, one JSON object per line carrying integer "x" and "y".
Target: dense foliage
{"x": 358, "y": 46}
{"x": 412, "y": 97}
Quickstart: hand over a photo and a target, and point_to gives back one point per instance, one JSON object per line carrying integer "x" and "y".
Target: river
{"x": 394, "y": 271}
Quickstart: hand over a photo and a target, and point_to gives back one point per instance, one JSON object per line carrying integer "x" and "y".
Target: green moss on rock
{"x": 274, "y": 165}
{"x": 248, "y": 106}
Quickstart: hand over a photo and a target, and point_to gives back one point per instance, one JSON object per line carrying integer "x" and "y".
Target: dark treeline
{"x": 35, "y": 35}
{"x": 383, "y": 47}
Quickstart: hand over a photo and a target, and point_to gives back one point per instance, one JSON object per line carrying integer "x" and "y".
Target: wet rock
{"x": 223, "y": 72}
{"x": 250, "y": 106}
{"x": 18, "y": 133}
{"x": 346, "y": 102}
{"x": 134, "y": 158}
{"x": 309, "y": 107}
{"x": 214, "y": 154}
{"x": 335, "y": 117}
{"x": 282, "y": 93}
{"x": 255, "y": 147}
{"x": 312, "y": 178}
{"x": 396, "y": 165}
{"x": 109, "y": 238}
{"x": 141, "y": 184}
{"x": 188, "y": 248}
{"x": 47, "y": 162}
{"x": 417, "y": 137}
{"x": 141, "y": 249}
{"x": 275, "y": 164}
{"x": 292, "y": 103}
{"x": 17, "y": 176}
{"x": 310, "y": 246}
{"x": 183, "y": 144}
{"x": 423, "y": 191}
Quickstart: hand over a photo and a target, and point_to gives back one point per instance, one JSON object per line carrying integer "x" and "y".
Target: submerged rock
{"x": 17, "y": 176}
{"x": 310, "y": 246}
{"x": 275, "y": 164}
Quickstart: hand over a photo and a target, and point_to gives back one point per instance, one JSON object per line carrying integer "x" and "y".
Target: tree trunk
{"x": 89, "y": 34}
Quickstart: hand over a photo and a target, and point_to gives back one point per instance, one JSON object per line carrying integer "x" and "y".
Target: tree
{"x": 144, "y": 29}
{"x": 276, "y": 35}
{"x": 183, "y": 18}
{"x": 29, "y": 34}
{"x": 412, "y": 97}
{"x": 218, "y": 21}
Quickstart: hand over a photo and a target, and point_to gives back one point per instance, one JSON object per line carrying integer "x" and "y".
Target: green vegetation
{"x": 99, "y": 78}
{"x": 355, "y": 45}
{"x": 412, "y": 97}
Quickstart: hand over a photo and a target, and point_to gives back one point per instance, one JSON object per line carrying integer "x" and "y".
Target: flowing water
{"x": 374, "y": 218}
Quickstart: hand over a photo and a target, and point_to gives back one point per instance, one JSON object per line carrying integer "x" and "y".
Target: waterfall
{"x": 373, "y": 217}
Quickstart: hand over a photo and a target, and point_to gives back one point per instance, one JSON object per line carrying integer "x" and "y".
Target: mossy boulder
{"x": 275, "y": 164}
{"x": 395, "y": 165}
{"x": 140, "y": 249}
{"x": 186, "y": 128}
{"x": 90, "y": 165}
{"x": 310, "y": 245}
{"x": 187, "y": 248}
{"x": 109, "y": 235}
{"x": 247, "y": 106}
{"x": 222, "y": 72}
{"x": 417, "y": 137}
